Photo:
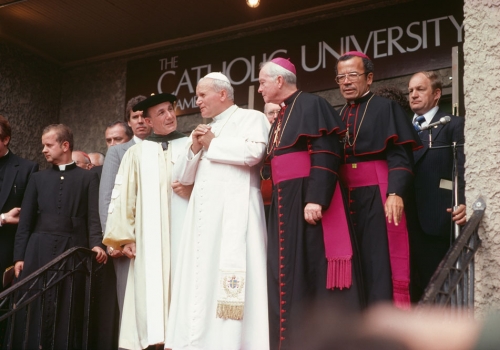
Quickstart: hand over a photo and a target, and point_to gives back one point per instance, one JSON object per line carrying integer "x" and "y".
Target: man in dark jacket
{"x": 59, "y": 211}
{"x": 14, "y": 175}
{"x": 430, "y": 233}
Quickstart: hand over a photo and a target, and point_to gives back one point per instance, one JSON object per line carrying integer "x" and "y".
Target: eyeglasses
{"x": 273, "y": 112}
{"x": 353, "y": 77}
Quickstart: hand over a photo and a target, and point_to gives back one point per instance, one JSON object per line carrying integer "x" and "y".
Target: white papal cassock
{"x": 141, "y": 202}
{"x": 225, "y": 202}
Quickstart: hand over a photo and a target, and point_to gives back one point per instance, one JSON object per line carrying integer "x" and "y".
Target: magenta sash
{"x": 338, "y": 249}
{"x": 375, "y": 173}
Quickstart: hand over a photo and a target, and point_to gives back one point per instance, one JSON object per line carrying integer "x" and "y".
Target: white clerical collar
{"x": 137, "y": 139}
{"x": 5, "y": 153}
{"x": 62, "y": 167}
{"x": 366, "y": 93}
{"x": 225, "y": 114}
{"x": 428, "y": 116}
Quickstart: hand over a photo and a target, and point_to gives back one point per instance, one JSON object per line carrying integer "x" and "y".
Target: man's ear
{"x": 6, "y": 140}
{"x": 280, "y": 80}
{"x": 65, "y": 146}
{"x": 223, "y": 95}
{"x": 148, "y": 122}
{"x": 369, "y": 79}
{"x": 437, "y": 93}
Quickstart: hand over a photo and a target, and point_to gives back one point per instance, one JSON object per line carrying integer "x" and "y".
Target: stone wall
{"x": 29, "y": 98}
{"x": 482, "y": 129}
{"x": 93, "y": 96}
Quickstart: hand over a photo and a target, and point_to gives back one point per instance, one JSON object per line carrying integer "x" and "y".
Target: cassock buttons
{"x": 62, "y": 177}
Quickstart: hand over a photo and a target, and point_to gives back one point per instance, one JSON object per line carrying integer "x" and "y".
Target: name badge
{"x": 445, "y": 184}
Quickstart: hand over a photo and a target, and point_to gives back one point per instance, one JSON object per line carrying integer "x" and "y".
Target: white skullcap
{"x": 217, "y": 76}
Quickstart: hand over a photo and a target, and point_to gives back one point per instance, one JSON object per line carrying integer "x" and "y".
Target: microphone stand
{"x": 455, "y": 204}
{"x": 430, "y": 137}
{"x": 454, "y": 180}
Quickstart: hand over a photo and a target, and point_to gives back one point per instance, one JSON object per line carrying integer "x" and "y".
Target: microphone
{"x": 442, "y": 121}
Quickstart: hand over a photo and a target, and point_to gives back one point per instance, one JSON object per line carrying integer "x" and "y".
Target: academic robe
{"x": 378, "y": 130}
{"x": 59, "y": 211}
{"x": 296, "y": 258}
{"x": 225, "y": 203}
{"x": 141, "y": 202}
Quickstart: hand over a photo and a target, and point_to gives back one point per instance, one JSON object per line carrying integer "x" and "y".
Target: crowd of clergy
{"x": 239, "y": 235}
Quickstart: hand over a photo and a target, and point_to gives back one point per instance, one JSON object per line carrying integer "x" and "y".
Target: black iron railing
{"x": 51, "y": 308}
{"x": 453, "y": 282}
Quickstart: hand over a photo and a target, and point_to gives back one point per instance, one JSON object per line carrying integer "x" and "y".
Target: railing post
{"x": 453, "y": 282}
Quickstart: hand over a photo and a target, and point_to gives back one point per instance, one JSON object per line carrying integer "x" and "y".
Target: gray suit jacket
{"x": 109, "y": 170}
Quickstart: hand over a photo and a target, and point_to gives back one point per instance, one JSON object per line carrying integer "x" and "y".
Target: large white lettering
{"x": 303, "y": 59}
{"x": 377, "y": 43}
{"x": 165, "y": 62}
{"x": 391, "y": 41}
{"x": 160, "y": 80}
{"x": 247, "y": 73}
{"x": 185, "y": 103}
{"x": 458, "y": 27}
{"x": 185, "y": 81}
{"x": 437, "y": 36}
{"x": 414, "y": 36}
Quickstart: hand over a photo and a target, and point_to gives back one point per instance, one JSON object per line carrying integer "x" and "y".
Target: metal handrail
{"x": 453, "y": 282}
{"x": 28, "y": 296}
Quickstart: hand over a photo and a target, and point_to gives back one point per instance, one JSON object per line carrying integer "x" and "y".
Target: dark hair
{"x": 5, "y": 129}
{"x": 130, "y": 104}
{"x": 63, "y": 134}
{"x": 395, "y": 94}
{"x": 436, "y": 82}
{"x": 128, "y": 130}
{"x": 367, "y": 63}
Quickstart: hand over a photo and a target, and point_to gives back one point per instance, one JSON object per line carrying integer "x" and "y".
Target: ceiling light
{"x": 253, "y": 3}
{"x": 8, "y": 3}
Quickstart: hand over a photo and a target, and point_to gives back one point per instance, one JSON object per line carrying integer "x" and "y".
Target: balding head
{"x": 81, "y": 159}
{"x": 96, "y": 158}
{"x": 271, "y": 110}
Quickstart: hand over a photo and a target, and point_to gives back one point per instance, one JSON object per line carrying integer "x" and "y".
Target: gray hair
{"x": 219, "y": 85}
{"x": 274, "y": 70}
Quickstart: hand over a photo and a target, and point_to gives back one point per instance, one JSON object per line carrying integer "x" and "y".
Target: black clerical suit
{"x": 59, "y": 211}
{"x": 297, "y": 266}
{"x": 14, "y": 175}
{"x": 379, "y": 132}
{"x": 430, "y": 234}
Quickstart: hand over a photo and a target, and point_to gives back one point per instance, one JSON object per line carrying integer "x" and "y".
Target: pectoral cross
{"x": 276, "y": 133}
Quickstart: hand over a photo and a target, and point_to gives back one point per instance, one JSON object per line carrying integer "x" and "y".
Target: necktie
{"x": 417, "y": 123}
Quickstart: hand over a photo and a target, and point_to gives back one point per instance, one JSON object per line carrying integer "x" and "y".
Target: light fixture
{"x": 13, "y": 2}
{"x": 253, "y": 3}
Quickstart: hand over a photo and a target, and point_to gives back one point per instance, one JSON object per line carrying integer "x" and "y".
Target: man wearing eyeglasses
{"x": 271, "y": 110}
{"x": 377, "y": 173}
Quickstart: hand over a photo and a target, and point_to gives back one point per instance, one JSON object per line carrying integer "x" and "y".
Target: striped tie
{"x": 417, "y": 123}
